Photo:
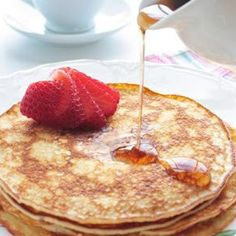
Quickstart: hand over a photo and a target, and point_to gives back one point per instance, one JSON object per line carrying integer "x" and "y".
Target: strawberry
{"x": 70, "y": 100}
{"x": 106, "y": 97}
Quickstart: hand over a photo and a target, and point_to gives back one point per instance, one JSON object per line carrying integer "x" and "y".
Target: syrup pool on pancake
{"x": 184, "y": 169}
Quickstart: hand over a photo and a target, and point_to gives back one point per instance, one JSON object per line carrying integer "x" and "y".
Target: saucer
{"x": 26, "y": 20}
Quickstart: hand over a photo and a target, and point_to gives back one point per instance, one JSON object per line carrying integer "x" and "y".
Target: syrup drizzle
{"x": 145, "y": 19}
{"x": 184, "y": 169}
{"x": 141, "y": 86}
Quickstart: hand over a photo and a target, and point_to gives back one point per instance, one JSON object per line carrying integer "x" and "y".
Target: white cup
{"x": 69, "y": 16}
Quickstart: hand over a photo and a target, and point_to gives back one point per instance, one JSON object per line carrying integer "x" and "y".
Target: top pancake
{"x": 73, "y": 175}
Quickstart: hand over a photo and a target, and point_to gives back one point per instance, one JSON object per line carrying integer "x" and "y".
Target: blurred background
{"x": 19, "y": 52}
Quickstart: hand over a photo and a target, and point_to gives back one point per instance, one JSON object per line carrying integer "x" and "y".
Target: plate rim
{"x": 203, "y": 73}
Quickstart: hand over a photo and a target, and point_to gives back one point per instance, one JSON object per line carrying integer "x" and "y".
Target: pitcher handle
{"x": 146, "y": 3}
{"x": 171, "y": 4}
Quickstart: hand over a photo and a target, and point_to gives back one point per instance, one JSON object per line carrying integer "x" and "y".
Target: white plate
{"x": 218, "y": 94}
{"x": 26, "y": 20}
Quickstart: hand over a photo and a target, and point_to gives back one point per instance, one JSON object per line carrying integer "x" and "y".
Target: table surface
{"x": 19, "y": 52}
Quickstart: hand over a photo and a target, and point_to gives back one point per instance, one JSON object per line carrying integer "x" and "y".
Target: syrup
{"x": 145, "y": 154}
{"x": 187, "y": 170}
{"x": 184, "y": 169}
{"x": 145, "y": 19}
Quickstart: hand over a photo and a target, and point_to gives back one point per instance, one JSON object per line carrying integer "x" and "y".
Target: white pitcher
{"x": 206, "y": 26}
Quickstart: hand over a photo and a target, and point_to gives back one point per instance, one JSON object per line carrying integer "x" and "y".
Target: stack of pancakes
{"x": 57, "y": 182}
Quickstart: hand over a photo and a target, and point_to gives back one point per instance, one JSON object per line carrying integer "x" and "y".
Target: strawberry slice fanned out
{"x": 95, "y": 116}
{"x": 70, "y": 100}
{"x": 106, "y": 97}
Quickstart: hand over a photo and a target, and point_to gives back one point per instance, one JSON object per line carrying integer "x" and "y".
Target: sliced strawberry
{"x": 45, "y": 101}
{"x": 74, "y": 115}
{"x": 70, "y": 100}
{"x": 115, "y": 93}
{"x": 106, "y": 97}
{"x": 94, "y": 115}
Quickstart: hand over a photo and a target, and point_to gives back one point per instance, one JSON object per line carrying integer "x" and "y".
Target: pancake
{"x": 213, "y": 226}
{"x": 209, "y": 228}
{"x": 72, "y": 175}
{"x": 18, "y": 228}
{"x": 54, "y": 224}
{"x": 218, "y": 207}
{"x": 202, "y": 213}
{"x": 221, "y": 204}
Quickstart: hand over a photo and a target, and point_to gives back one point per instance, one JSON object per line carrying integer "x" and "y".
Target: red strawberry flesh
{"x": 105, "y": 97}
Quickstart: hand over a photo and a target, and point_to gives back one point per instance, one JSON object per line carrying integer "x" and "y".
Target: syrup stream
{"x": 141, "y": 86}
